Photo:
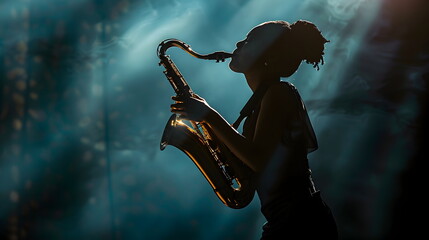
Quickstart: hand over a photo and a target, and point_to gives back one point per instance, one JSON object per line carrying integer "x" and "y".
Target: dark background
{"x": 83, "y": 105}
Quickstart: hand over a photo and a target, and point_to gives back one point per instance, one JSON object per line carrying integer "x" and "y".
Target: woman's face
{"x": 249, "y": 53}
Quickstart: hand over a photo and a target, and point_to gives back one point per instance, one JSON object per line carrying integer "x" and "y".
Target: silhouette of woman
{"x": 277, "y": 133}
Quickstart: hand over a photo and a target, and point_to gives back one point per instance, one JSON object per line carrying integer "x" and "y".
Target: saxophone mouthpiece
{"x": 219, "y": 56}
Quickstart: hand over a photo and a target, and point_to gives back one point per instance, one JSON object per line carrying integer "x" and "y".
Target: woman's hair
{"x": 293, "y": 43}
{"x": 310, "y": 40}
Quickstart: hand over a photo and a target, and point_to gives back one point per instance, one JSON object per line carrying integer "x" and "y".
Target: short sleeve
{"x": 301, "y": 129}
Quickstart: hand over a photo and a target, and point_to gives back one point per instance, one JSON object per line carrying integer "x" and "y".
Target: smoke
{"x": 84, "y": 104}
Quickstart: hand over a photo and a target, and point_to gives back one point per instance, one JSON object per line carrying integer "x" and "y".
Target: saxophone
{"x": 230, "y": 178}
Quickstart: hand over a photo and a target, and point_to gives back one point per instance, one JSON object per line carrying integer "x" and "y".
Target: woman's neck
{"x": 254, "y": 80}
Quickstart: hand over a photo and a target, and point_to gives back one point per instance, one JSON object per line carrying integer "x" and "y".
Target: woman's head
{"x": 278, "y": 48}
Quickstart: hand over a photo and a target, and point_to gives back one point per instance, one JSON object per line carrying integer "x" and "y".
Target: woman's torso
{"x": 286, "y": 177}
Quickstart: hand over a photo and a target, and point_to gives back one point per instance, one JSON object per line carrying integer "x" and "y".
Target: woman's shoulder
{"x": 280, "y": 91}
{"x": 287, "y": 85}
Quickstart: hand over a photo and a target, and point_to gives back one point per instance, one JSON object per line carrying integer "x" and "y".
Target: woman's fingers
{"x": 192, "y": 108}
{"x": 178, "y": 110}
{"x": 187, "y": 99}
{"x": 177, "y": 106}
{"x": 178, "y": 98}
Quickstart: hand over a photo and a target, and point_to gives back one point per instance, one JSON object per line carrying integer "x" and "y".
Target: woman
{"x": 277, "y": 134}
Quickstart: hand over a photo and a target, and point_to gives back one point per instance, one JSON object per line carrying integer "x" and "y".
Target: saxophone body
{"x": 230, "y": 178}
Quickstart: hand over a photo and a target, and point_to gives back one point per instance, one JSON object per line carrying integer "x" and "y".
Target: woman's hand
{"x": 193, "y": 108}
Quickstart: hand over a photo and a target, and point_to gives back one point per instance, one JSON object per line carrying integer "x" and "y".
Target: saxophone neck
{"x": 166, "y": 44}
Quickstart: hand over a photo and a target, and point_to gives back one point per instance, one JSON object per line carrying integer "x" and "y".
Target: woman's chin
{"x": 234, "y": 67}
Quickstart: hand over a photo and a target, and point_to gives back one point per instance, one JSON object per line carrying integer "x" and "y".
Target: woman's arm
{"x": 270, "y": 126}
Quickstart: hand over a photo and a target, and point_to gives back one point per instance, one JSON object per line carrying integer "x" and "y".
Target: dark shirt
{"x": 284, "y": 187}
{"x": 284, "y": 180}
